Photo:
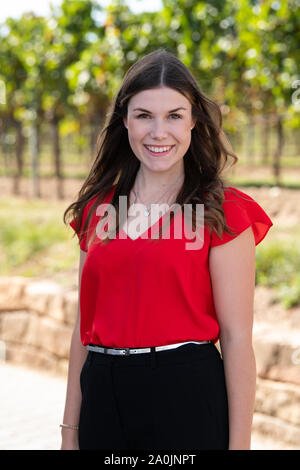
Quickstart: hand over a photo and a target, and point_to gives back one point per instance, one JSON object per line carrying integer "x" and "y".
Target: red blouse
{"x": 141, "y": 293}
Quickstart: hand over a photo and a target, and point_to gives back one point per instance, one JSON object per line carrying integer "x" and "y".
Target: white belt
{"x": 127, "y": 351}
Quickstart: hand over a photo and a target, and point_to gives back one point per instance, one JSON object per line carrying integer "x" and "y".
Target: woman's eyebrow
{"x": 145, "y": 110}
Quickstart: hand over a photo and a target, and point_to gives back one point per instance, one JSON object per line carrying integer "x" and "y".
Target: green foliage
{"x": 23, "y": 238}
{"x": 34, "y": 239}
{"x": 278, "y": 267}
{"x": 289, "y": 294}
{"x": 244, "y": 53}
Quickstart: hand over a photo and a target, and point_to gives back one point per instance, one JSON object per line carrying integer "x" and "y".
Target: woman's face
{"x": 159, "y": 118}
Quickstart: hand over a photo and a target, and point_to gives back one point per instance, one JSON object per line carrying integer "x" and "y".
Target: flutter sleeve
{"x": 87, "y": 234}
{"x": 83, "y": 241}
{"x": 242, "y": 211}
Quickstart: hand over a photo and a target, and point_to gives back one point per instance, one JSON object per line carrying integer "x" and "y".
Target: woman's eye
{"x": 147, "y": 115}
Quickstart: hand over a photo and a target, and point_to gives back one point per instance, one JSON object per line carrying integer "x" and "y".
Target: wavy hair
{"x": 116, "y": 164}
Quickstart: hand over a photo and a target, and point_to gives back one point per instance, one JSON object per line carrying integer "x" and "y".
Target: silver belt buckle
{"x": 126, "y": 351}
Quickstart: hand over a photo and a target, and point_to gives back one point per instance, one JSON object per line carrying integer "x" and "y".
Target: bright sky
{"x": 15, "y": 8}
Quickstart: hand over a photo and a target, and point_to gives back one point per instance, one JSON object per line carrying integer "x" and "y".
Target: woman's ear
{"x": 125, "y": 122}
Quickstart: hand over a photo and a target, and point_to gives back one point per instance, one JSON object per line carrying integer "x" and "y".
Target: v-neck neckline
{"x": 147, "y": 229}
{"x": 122, "y": 231}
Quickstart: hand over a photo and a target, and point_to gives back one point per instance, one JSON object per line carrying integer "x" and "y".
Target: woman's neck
{"x": 152, "y": 187}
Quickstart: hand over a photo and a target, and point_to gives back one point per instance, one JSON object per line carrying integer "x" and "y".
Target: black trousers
{"x": 166, "y": 400}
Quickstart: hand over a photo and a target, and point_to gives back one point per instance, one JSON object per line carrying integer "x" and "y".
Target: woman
{"x": 145, "y": 372}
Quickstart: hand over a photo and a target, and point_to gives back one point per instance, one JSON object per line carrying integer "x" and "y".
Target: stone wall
{"x": 276, "y": 341}
{"x": 36, "y": 324}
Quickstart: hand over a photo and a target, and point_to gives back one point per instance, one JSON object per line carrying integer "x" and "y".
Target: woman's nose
{"x": 158, "y": 130}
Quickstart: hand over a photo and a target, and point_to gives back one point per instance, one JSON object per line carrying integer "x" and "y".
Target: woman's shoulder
{"x": 231, "y": 193}
{"x": 242, "y": 211}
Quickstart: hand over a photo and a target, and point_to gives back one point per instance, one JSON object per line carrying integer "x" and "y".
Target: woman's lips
{"x": 159, "y": 154}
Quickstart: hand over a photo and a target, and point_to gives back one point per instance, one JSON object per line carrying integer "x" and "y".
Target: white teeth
{"x": 161, "y": 149}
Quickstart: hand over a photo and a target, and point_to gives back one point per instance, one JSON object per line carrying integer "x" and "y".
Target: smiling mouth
{"x": 159, "y": 150}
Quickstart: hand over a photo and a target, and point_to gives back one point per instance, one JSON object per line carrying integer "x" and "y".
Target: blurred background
{"x": 61, "y": 63}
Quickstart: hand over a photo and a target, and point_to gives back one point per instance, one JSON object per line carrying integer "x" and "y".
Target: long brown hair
{"x": 204, "y": 161}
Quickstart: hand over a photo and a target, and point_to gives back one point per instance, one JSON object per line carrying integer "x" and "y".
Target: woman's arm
{"x": 232, "y": 271}
{"x": 77, "y": 357}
